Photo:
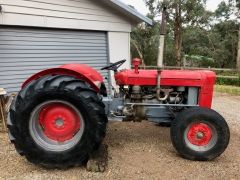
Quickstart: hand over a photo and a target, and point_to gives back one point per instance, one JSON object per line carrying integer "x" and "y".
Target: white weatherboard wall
{"x": 71, "y": 14}
{"x": 119, "y": 49}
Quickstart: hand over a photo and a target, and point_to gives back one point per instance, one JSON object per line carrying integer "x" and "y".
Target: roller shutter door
{"x": 25, "y": 51}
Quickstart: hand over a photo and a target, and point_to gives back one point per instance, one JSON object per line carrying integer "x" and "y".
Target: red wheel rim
{"x": 199, "y": 134}
{"x": 59, "y": 121}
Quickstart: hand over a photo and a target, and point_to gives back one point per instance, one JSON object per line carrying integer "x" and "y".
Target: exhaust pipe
{"x": 162, "y": 38}
{"x": 160, "y": 53}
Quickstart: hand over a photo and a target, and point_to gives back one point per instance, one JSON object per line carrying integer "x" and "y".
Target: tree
{"x": 180, "y": 13}
{"x": 228, "y": 15}
{"x": 238, "y": 54}
{"x": 144, "y": 43}
{"x": 238, "y": 16}
{"x": 196, "y": 43}
{"x": 191, "y": 32}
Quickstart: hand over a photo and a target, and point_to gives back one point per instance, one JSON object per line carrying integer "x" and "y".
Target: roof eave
{"x": 134, "y": 14}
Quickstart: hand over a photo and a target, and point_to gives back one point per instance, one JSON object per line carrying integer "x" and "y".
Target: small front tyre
{"x": 199, "y": 134}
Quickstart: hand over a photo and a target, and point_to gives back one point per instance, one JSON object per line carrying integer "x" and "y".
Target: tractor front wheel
{"x": 57, "y": 121}
{"x": 199, "y": 134}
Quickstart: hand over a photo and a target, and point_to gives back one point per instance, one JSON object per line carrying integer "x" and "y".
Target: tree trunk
{"x": 178, "y": 32}
{"x": 134, "y": 43}
{"x": 238, "y": 53}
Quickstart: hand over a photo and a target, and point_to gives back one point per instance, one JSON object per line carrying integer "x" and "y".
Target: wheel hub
{"x": 199, "y": 134}
{"x": 59, "y": 122}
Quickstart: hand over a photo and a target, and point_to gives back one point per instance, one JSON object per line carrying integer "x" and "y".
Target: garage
{"x": 25, "y": 51}
{"x": 41, "y": 34}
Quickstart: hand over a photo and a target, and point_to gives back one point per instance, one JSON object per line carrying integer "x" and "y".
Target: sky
{"x": 141, "y": 7}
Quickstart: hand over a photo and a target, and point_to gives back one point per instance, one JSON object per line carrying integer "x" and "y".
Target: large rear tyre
{"x": 57, "y": 121}
{"x": 199, "y": 134}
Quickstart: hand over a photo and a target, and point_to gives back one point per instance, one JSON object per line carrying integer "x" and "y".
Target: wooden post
{"x": 2, "y": 108}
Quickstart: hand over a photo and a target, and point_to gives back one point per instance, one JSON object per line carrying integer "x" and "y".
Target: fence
{"x": 224, "y": 76}
{"x": 192, "y": 68}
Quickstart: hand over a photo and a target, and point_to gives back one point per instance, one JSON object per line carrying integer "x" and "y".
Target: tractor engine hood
{"x": 196, "y": 78}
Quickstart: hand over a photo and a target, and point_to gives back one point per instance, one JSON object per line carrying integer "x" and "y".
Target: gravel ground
{"x": 140, "y": 151}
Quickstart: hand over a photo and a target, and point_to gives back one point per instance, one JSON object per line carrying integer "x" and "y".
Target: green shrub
{"x": 227, "y": 73}
{"x": 228, "y": 80}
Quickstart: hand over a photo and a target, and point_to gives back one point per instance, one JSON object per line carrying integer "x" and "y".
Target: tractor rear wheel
{"x": 199, "y": 134}
{"x": 57, "y": 121}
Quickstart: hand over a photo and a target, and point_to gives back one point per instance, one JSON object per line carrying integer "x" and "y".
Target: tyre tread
{"x": 71, "y": 86}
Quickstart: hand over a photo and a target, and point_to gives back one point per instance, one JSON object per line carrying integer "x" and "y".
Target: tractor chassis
{"x": 156, "y": 113}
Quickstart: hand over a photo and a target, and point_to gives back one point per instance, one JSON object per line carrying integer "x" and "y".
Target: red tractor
{"x": 60, "y": 115}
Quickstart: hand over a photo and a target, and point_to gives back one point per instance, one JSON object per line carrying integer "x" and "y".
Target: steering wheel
{"x": 114, "y": 66}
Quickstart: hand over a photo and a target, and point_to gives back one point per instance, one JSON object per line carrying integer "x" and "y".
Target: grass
{"x": 232, "y": 90}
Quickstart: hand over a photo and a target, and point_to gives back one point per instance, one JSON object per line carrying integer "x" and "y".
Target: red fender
{"x": 80, "y": 71}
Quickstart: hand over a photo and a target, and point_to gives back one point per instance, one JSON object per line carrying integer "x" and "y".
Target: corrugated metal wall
{"x": 25, "y": 51}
